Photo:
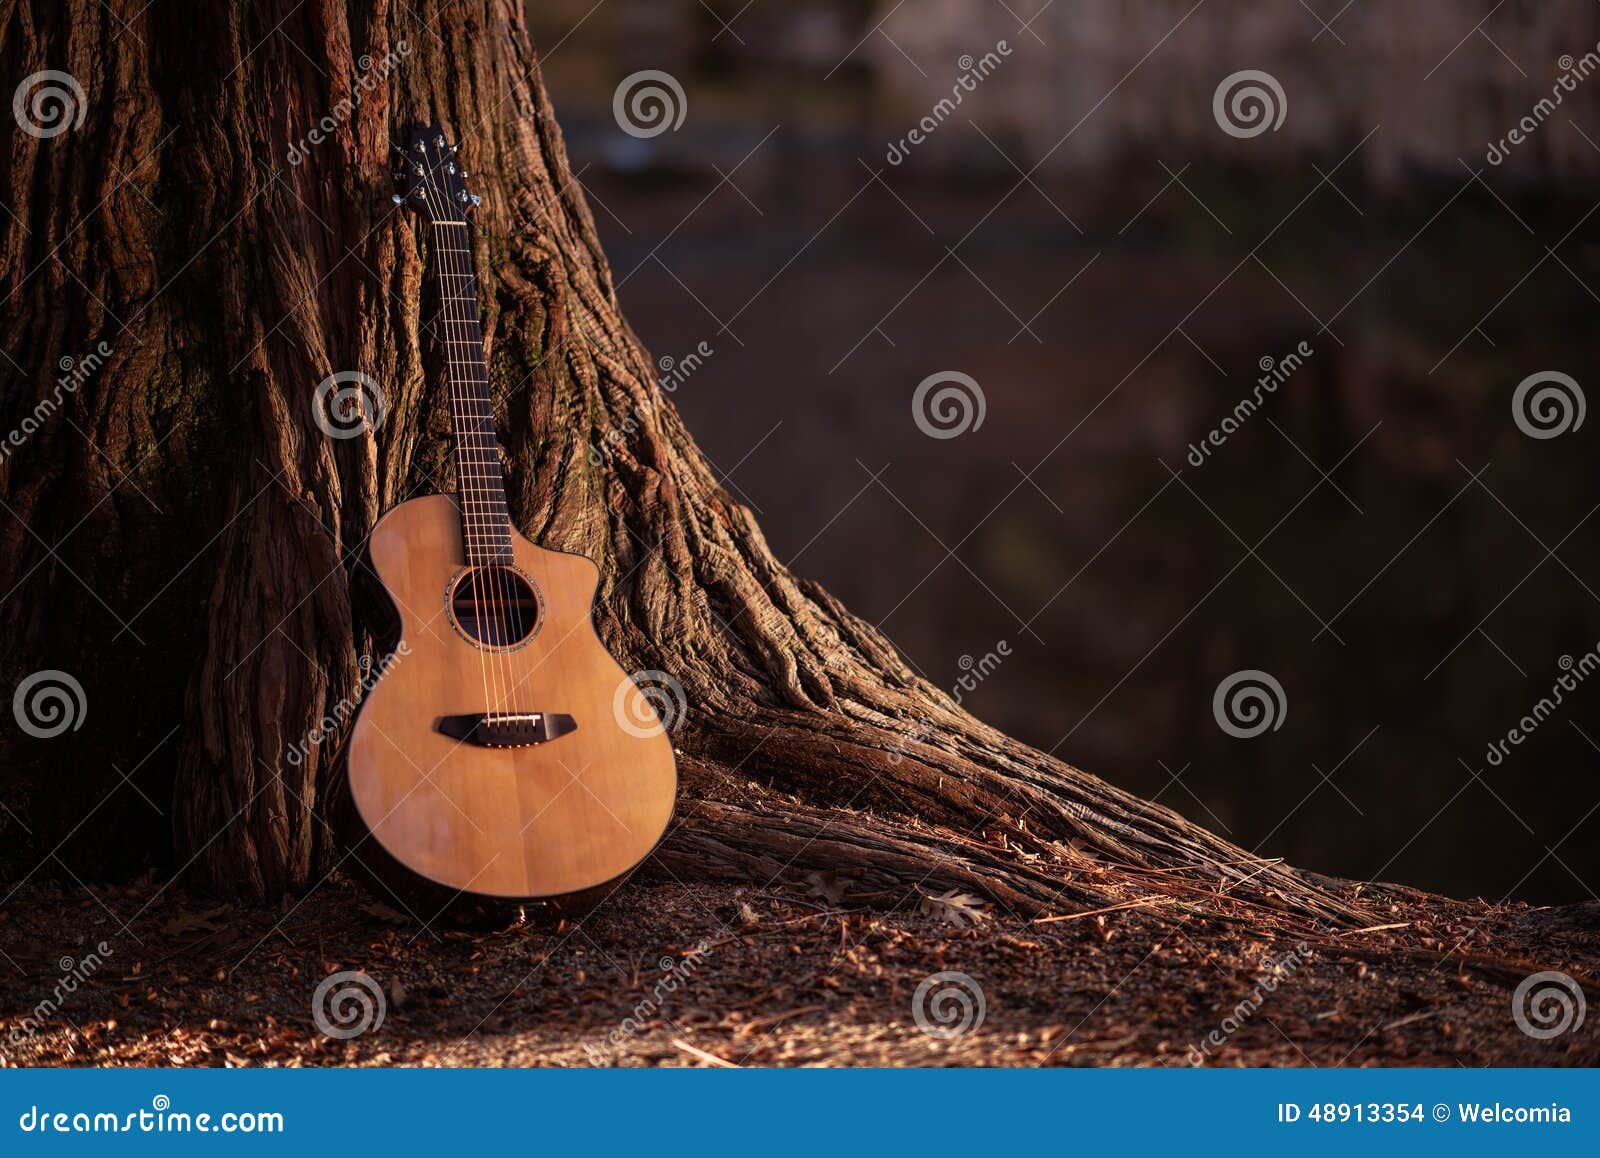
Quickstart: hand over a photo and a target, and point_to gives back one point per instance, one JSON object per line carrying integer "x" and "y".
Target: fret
{"x": 480, "y": 490}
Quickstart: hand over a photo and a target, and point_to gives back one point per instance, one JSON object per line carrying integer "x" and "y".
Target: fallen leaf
{"x": 956, "y": 907}
{"x": 198, "y": 921}
{"x": 383, "y": 912}
{"x": 826, "y": 885}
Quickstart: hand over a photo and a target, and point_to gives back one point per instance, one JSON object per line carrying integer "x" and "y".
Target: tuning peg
{"x": 476, "y": 200}
{"x": 438, "y": 142}
{"x": 450, "y": 168}
{"x": 397, "y": 199}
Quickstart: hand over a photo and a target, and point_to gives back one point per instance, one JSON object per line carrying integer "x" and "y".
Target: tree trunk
{"x": 183, "y": 539}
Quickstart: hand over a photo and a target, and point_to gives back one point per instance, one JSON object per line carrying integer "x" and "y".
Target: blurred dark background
{"x": 1082, "y": 237}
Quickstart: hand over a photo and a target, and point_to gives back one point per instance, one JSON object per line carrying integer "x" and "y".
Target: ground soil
{"x": 798, "y": 975}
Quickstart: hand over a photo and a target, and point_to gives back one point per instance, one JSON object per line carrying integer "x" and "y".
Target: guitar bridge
{"x": 506, "y": 729}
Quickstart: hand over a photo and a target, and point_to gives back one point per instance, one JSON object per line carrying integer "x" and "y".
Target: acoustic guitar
{"x": 500, "y": 754}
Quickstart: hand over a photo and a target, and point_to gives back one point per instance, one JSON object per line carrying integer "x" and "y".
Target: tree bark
{"x": 184, "y": 539}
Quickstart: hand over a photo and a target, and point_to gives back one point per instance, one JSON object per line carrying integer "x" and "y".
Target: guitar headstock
{"x": 431, "y": 180}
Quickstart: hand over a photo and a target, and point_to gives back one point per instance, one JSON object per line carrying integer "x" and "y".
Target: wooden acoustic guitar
{"x": 503, "y": 754}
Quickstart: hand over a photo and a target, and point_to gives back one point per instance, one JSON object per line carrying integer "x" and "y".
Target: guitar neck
{"x": 485, "y": 521}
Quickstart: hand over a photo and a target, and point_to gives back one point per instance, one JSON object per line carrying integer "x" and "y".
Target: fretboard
{"x": 485, "y": 522}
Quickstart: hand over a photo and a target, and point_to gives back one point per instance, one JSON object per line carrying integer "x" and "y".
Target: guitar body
{"x": 563, "y": 787}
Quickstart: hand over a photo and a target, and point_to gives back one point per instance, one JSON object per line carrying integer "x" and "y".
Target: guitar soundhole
{"x": 494, "y": 606}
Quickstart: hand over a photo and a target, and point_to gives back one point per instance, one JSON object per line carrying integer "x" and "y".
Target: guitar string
{"x": 463, "y": 473}
{"x": 488, "y": 516}
{"x": 463, "y": 476}
{"x": 469, "y": 360}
